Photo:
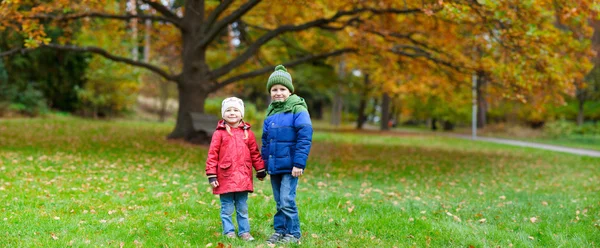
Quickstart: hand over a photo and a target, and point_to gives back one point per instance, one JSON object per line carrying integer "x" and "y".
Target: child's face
{"x": 279, "y": 93}
{"x": 232, "y": 115}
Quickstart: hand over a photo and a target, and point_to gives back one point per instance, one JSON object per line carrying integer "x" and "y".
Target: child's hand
{"x": 213, "y": 182}
{"x": 261, "y": 174}
{"x": 296, "y": 172}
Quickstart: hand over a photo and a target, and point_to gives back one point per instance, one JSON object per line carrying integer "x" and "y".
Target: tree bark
{"x": 191, "y": 100}
{"x": 362, "y": 118}
{"x": 482, "y": 105}
{"x": 336, "y": 111}
{"x": 385, "y": 112}
{"x": 580, "y": 113}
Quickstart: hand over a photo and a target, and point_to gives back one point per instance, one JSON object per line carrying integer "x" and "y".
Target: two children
{"x": 286, "y": 142}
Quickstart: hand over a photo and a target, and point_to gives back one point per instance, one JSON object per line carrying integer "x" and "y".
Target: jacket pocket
{"x": 225, "y": 169}
{"x": 283, "y": 152}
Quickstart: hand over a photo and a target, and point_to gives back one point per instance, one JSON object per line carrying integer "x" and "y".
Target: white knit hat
{"x": 232, "y": 102}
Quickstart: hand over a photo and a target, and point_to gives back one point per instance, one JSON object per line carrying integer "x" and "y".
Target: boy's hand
{"x": 296, "y": 172}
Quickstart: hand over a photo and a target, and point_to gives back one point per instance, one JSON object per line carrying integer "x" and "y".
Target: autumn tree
{"x": 201, "y": 25}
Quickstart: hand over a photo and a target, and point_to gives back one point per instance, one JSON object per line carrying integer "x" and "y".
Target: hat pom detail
{"x": 280, "y": 68}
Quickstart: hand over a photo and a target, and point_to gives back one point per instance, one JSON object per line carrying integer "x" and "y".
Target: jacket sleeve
{"x": 257, "y": 160}
{"x": 304, "y": 132}
{"x": 264, "y": 147}
{"x": 212, "y": 160}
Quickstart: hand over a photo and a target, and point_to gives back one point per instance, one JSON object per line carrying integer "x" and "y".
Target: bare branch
{"x": 287, "y": 64}
{"x": 321, "y": 22}
{"x": 218, "y": 26}
{"x": 417, "y": 52}
{"x": 163, "y": 10}
{"x": 13, "y": 51}
{"x": 216, "y": 13}
{"x": 104, "y": 15}
{"x": 112, "y": 57}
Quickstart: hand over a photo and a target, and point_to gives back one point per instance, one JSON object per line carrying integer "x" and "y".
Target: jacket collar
{"x": 244, "y": 125}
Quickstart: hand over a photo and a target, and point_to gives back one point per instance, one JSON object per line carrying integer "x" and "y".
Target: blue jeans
{"x": 236, "y": 200}
{"x": 286, "y": 219}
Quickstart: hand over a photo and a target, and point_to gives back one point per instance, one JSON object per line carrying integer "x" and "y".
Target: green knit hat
{"x": 280, "y": 76}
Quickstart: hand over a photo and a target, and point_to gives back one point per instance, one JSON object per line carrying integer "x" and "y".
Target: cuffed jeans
{"x": 286, "y": 219}
{"x": 237, "y": 200}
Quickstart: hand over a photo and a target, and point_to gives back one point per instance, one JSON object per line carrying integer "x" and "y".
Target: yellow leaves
{"x": 533, "y": 219}
{"x": 350, "y": 209}
{"x": 456, "y": 218}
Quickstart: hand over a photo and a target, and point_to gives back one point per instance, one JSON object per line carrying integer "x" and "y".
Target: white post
{"x": 474, "y": 114}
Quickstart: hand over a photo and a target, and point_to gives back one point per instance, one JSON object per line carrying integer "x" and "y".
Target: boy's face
{"x": 279, "y": 93}
{"x": 232, "y": 115}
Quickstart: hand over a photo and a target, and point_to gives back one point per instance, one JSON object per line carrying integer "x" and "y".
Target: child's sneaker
{"x": 247, "y": 237}
{"x": 276, "y": 237}
{"x": 230, "y": 235}
{"x": 288, "y": 238}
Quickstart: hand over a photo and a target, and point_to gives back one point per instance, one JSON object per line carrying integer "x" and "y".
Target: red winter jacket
{"x": 231, "y": 158}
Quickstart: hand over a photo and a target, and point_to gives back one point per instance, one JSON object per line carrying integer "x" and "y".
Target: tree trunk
{"x": 481, "y": 100}
{"x": 385, "y": 112}
{"x": 336, "y": 111}
{"x": 580, "y": 114}
{"x": 317, "y": 112}
{"x": 191, "y": 100}
{"x": 362, "y": 118}
{"x": 164, "y": 101}
{"x": 134, "y": 30}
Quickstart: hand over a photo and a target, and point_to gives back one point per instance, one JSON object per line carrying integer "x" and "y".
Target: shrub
{"x": 26, "y": 100}
{"x": 567, "y": 128}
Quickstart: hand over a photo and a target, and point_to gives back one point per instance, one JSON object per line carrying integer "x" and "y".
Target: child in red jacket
{"x": 232, "y": 154}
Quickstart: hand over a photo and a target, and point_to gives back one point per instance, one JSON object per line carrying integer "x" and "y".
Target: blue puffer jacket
{"x": 287, "y": 136}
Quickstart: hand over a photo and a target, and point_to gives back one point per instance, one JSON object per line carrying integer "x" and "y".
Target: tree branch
{"x": 104, "y": 15}
{"x": 13, "y": 51}
{"x": 218, "y": 26}
{"x": 216, "y": 13}
{"x": 421, "y": 53}
{"x": 287, "y": 64}
{"x": 112, "y": 57}
{"x": 163, "y": 10}
{"x": 321, "y": 22}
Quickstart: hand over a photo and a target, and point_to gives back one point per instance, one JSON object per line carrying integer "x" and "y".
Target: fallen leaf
{"x": 502, "y": 197}
{"x": 533, "y": 219}
{"x": 208, "y": 245}
{"x": 315, "y": 236}
{"x": 350, "y": 209}
{"x": 482, "y": 220}
{"x": 456, "y": 218}
{"x": 53, "y": 236}
{"x": 531, "y": 238}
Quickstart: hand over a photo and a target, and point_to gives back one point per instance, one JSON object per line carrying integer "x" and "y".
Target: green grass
{"x": 66, "y": 181}
{"x": 590, "y": 142}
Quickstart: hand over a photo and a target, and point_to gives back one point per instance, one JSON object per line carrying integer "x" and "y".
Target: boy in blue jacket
{"x": 286, "y": 142}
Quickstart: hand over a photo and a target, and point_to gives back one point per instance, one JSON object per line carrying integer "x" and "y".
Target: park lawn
{"x": 66, "y": 181}
{"x": 590, "y": 142}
